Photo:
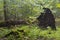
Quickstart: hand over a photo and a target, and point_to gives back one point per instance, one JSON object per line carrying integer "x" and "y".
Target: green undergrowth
{"x": 31, "y": 32}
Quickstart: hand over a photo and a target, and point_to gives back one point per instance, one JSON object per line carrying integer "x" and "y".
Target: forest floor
{"x": 30, "y": 32}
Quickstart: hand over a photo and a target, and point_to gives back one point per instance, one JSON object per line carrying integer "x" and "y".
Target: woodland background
{"x": 28, "y": 10}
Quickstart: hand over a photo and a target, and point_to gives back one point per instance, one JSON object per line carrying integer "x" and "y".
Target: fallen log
{"x": 12, "y": 23}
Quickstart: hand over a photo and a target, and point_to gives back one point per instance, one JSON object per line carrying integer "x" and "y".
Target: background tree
{"x": 5, "y": 10}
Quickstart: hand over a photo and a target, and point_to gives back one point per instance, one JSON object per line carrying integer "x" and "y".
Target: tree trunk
{"x": 5, "y": 10}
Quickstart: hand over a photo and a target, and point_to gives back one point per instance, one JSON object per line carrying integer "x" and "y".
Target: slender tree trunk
{"x": 5, "y": 10}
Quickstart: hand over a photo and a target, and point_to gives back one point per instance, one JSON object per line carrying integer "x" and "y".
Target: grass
{"x": 31, "y": 33}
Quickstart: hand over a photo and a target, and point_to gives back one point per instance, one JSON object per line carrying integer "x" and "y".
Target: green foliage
{"x": 24, "y": 9}
{"x": 31, "y": 33}
{"x": 29, "y": 10}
